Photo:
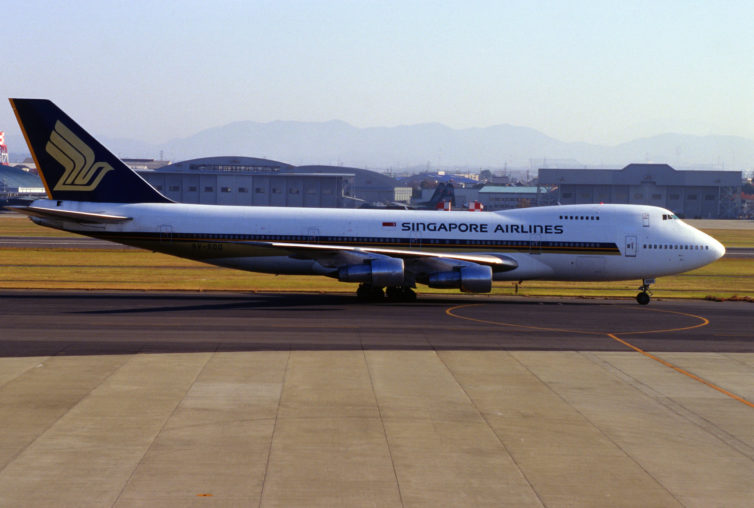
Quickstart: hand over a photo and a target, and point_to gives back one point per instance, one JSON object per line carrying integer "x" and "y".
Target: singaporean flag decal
{"x": 388, "y": 224}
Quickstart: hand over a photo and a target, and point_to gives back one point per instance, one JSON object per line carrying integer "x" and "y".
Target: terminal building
{"x": 18, "y": 185}
{"x": 249, "y": 181}
{"x": 689, "y": 194}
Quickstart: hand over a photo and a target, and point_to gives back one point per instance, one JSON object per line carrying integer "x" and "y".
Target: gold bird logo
{"x": 82, "y": 172}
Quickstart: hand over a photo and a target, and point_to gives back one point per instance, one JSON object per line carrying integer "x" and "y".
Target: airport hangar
{"x": 689, "y": 194}
{"x": 250, "y": 181}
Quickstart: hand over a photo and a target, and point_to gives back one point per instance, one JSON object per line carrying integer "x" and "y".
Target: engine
{"x": 379, "y": 272}
{"x": 470, "y": 279}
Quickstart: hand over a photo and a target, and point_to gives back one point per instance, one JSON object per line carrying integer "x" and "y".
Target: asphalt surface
{"x": 319, "y": 400}
{"x": 84, "y": 323}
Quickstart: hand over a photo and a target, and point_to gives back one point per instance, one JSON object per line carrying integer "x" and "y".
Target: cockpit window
{"x": 667, "y": 216}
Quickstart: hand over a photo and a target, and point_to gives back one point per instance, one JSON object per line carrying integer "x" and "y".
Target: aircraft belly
{"x": 529, "y": 267}
{"x": 271, "y": 264}
{"x": 198, "y": 250}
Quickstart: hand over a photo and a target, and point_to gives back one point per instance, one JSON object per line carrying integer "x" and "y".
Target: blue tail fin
{"x": 73, "y": 165}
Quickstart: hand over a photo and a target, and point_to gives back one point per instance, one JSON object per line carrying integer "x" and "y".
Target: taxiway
{"x": 123, "y": 399}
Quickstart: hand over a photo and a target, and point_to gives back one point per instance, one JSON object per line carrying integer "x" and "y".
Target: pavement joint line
{"x": 162, "y": 427}
{"x": 67, "y": 411}
{"x": 704, "y": 322}
{"x": 683, "y": 371}
{"x": 483, "y": 416}
{"x": 599, "y": 429}
{"x": 274, "y": 427}
{"x": 673, "y": 405}
{"x": 42, "y": 359}
{"x": 384, "y": 429}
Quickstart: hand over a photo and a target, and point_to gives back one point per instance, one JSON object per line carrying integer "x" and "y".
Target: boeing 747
{"x": 387, "y": 252}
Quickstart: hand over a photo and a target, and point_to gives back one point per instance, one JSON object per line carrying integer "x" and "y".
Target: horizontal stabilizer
{"x": 69, "y": 215}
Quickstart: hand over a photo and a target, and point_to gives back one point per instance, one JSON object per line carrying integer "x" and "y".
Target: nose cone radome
{"x": 717, "y": 248}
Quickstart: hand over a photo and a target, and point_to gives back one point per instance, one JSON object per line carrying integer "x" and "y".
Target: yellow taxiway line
{"x": 613, "y": 335}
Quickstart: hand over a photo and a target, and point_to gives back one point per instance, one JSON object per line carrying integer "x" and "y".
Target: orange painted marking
{"x": 682, "y": 371}
{"x": 703, "y": 322}
{"x": 450, "y": 313}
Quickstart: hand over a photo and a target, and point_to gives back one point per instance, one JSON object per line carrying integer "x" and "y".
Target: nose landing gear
{"x": 643, "y": 297}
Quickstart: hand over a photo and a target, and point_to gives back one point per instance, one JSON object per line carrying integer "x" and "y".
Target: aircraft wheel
{"x": 394, "y": 293}
{"x": 401, "y": 294}
{"x": 370, "y": 293}
{"x": 642, "y": 298}
{"x": 408, "y": 295}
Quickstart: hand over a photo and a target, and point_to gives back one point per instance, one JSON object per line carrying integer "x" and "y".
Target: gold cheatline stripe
{"x": 427, "y": 246}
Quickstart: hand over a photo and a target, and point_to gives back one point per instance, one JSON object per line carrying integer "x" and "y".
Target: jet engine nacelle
{"x": 471, "y": 279}
{"x": 379, "y": 272}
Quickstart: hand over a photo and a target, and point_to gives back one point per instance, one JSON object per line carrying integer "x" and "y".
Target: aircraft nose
{"x": 717, "y": 248}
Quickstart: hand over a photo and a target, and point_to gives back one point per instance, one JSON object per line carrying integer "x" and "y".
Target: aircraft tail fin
{"x": 73, "y": 165}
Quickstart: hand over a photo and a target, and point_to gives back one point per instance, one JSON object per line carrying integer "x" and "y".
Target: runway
{"x": 128, "y": 398}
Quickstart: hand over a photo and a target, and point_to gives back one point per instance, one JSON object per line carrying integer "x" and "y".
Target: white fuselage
{"x": 573, "y": 242}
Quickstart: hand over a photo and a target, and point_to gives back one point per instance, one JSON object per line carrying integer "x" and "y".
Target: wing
{"x": 399, "y": 267}
{"x": 335, "y": 256}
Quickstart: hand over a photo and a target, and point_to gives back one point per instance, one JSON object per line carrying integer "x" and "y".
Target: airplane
{"x": 93, "y": 193}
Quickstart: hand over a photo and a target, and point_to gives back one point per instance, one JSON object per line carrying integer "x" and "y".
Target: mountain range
{"x": 431, "y": 145}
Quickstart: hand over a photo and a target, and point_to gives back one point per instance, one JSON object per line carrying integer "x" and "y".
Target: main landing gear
{"x": 643, "y": 297}
{"x": 370, "y": 293}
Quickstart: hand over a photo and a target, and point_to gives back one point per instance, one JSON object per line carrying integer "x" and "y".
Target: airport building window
{"x": 691, "y": 197}
{"x": 638, "y": 195}
{"x": 243, "y": 190}
{"x": 675, "y": 196}
{"x": 656, "y": 196}
{"x": 209, "y": 189}
{"x": 225, "y": 189}
{"x": 192, "y": 188}
{"x": 709, "y": 197}
{"x": 260, "y": 190}
{"x": 175, "y": 188}
{"x": 233, "y": 168}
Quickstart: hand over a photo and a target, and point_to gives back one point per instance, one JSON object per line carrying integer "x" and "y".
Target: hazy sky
{"x": 595, "y": 71}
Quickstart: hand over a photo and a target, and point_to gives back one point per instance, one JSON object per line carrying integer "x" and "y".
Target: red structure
{"x": 3, "y": 150}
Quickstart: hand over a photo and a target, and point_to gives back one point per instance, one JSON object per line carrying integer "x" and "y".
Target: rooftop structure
{"x": 692, "y": 194}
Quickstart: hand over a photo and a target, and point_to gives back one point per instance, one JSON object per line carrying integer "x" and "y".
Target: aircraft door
{"x": 415, "y": 240}
{"x": 312, "y": 235}
{"x": 630, "y": 251}
{"x": 166, "y": 233}
{"x": 535, "y": 244}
